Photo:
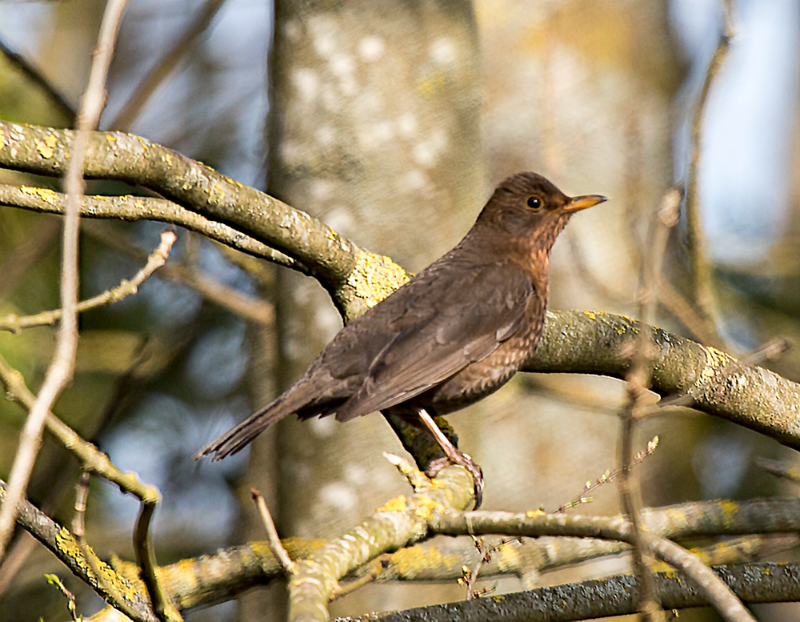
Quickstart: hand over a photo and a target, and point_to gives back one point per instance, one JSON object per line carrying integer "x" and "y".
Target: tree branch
{"x": 60, "y": 370}
{"x": 611, "y": 596}
{"x": 593, "y": 342}
{"x": 577, "y": 342}
{"x": 134, "y": 208}
{"x": 157, "y": 258}
{"x": 356, "y": 278}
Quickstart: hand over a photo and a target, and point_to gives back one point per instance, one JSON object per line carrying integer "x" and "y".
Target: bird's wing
{"x": 479, "y": 310}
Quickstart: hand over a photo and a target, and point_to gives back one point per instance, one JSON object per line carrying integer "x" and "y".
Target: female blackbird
{"x": 456, "y": 332}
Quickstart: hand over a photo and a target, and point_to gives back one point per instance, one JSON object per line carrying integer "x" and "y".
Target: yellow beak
{"x": 576, "y": 204}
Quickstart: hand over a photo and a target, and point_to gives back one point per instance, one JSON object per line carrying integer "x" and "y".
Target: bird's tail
{"x": 239, "y": 436}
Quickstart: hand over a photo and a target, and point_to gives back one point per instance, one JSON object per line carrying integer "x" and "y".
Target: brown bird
{"x": 456, "y": 332}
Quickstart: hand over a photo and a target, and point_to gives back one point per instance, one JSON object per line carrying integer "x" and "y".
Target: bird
{"x": 454, "y": 333}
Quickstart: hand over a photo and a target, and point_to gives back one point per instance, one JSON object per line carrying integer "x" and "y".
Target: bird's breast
{"x": 481, "y": 378}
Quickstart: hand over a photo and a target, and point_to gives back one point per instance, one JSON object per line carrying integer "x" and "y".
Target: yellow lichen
{"x": 398, "y": 504}
{"x": 534, "y": 513}
{"x": 217, "y": 193}
{"x": 590, "y": 314}
{"x": 436, "y": 484}
{"x": 46, "y": 146}
{"x": 729, "y": 510}
{"x": 508, "y": 558}
{"x": 426, "y": 508}
{"x": 111, "y": 138}
{"x": 408, "y": 561}
{"x": 714, "y": 360}
{"x": 374, "y": 277}
{"x": 45, "y": 194}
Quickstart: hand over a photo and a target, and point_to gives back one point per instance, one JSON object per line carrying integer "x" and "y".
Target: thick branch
{"x": 589, "y": 342}
{"x": 356, "y": 278}
{"x": 612, "y": 596}
{"x": 215, "y": 578}
{"x": 115, "y": 589}
{"x": 573, "y": 341}
{"x": 401, "y": 522}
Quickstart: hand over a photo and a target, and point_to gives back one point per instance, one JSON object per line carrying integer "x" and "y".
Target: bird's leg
{"x": 454, "y": 455}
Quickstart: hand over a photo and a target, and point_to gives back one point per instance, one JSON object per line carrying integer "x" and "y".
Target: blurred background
{"x": 391, "y": 121}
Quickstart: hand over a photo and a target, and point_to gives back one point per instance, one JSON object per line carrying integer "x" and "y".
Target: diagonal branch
{"x": 577, "y": 342}
{"x": 133, "y": 209}
{"x": 356, "y": 278}
{"x": 14, "y": 323}
{"x": 592, "y": 342}
{"x": 701, "y": 273}
{"x": 60, "y": 370}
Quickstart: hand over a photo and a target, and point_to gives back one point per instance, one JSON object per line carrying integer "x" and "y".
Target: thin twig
{"x": 146, "y": 558}
{"x": 135, "y": 208}
{"x": 97, "y": 462}
{"x": 126, "y": 288}
{"x": 637, "y": 382}
{"x": 609, "y": 476}
{"x": 38, "y": 78}
{"x": 713, "y": 589}
{"x": 701, "y": 273}
{"x": 62, "y": 543}
{"x": 272, "y": 534}
{"x": 61, "y": 367}
{"x": 165, "y": 66}
{"x": 376, "y": 567}
{"x": 79, "y": 530}
{"x": 55, "y": 581}
{"x": 217, "y": 293}
{"x": 719, "y": 595}
{"x": 485, "y": 551}
{"x": 81, "y": 496}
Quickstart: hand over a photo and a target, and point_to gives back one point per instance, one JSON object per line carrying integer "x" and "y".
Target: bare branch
{"x": 591, "y": 342}
{"x": 637, "y": 381}
{"x": 400, "y": 522}
{"x": 60, "y": 541}
{"x": 61, "y": 367}
{"x": 610, "y": 596}
{"x": 157, "y": 259}
{"x": 356, "y": 278}
{"x": 145, "y": 89}
{"x": 228, "y": 298}
{"x": 701, "y": 273}
{"x": 274, "y": 540}
{"x": 133, "y": 209}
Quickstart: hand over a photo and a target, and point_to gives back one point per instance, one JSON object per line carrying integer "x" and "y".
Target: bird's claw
{"x": 466, "y": 461}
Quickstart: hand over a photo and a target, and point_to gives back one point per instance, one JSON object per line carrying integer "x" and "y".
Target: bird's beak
{"x": 576, "y": 204}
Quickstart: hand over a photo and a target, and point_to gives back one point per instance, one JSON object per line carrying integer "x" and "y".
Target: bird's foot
{"x": 465, "y": 460}
{"x": 454, "y": 455}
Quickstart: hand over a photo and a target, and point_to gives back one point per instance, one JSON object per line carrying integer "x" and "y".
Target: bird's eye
{"x": 534, "y": 203}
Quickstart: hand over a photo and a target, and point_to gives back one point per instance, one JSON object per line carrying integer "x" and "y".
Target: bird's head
{"x": 527, "y": 205}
